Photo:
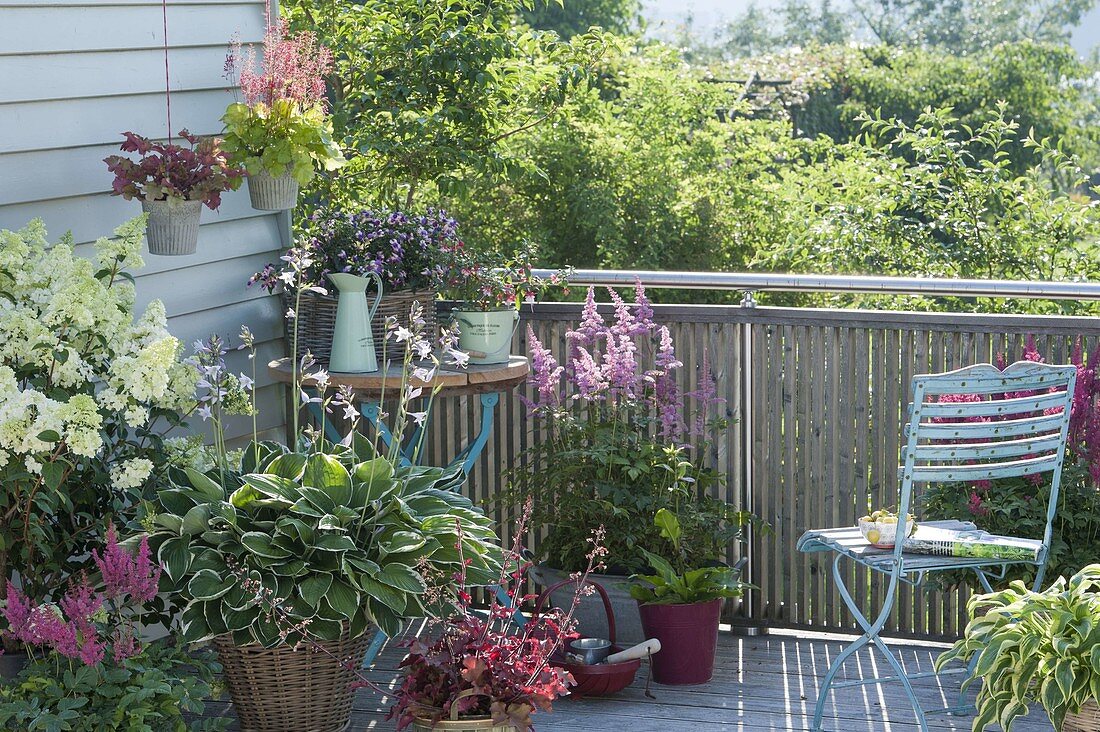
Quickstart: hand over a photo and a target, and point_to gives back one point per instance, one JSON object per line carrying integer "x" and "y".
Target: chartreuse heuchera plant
{"x": 86, "y": 392}
{"x": 1034, "y": 647}
{"x": 282, "y": 126}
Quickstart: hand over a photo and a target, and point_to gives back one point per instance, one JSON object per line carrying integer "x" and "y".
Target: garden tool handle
{"x": 643, "y": 649}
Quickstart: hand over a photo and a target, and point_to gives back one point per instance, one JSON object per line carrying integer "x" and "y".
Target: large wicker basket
{"x": 1086, "y": 720}
{"x": 317, "y": 318}
{"x": 303, "y": 689}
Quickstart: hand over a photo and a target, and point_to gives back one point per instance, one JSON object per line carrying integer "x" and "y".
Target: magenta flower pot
{"x": 689, "y": 637}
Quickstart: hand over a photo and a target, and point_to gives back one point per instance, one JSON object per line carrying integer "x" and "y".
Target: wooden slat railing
{"x": 817, "y": 399}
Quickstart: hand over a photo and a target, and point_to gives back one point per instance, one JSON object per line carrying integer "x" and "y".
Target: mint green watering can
{"x": 352, "y": 339}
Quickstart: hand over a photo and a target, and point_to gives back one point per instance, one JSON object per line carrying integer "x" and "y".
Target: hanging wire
{"x": 167, "y": 82}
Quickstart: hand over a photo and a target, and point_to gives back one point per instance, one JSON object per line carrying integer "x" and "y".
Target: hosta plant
{"x": 282, "y": 126}
{"x": 1034, "y": 647}
{"x": 333, "y": 534}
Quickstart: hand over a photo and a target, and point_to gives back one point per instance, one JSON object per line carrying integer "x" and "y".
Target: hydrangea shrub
{"x": 86, "y": 391}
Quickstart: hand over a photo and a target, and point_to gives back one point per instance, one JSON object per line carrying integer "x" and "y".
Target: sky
{"x": 710, "y": 13}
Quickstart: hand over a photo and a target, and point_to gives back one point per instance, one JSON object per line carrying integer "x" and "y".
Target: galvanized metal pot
{"x": 272, "y": 193}
{"x": 173, "y": 226}
{"x": 486, "y": 334}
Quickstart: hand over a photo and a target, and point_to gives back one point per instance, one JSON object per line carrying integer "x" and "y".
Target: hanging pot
{"x": 272, "y": 193}
{"x": 173, "y": 226}
{"x": 352, "y": 338}
{"x": 689, "y": 638}
{"x": 486, "y": 334}
{"x": 292, "y": 687}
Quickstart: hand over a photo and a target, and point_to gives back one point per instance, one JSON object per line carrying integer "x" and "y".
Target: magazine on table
{"x": 970, "y": 543}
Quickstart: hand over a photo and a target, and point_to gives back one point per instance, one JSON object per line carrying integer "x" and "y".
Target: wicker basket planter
{"x": 173, "y": 226}
{"x": 463, "y": 725}
{"x": 285, "y": 688}
{"x": 317, "y": 318}
{"x": 1086, "y": 720}
{"x": 270, "y": 193}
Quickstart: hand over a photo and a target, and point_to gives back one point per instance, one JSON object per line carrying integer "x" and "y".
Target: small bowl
{"x": 592, "y": 650}
{"x": 888, "y": 532}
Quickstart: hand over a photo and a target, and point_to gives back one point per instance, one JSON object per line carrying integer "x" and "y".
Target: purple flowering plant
{"x": 1017, "y": 506}
{"x": 623, "y": 440}
{"x": 86, "y": 669}
{"x": 405, "y": 250}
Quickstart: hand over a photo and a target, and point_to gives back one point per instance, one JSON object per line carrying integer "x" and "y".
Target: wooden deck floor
{"x": 764, "y": 683}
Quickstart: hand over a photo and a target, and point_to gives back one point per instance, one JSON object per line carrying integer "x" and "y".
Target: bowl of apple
{"x": 880, "y": 528}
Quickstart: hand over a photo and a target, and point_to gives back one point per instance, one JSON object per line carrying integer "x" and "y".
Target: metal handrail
{"x": 777, "y": 282}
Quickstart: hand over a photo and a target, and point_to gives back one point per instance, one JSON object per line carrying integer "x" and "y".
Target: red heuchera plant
{"x": 85, "y": 623}
{"x": 480, "y": 665}
{"x": 200, "y": 172}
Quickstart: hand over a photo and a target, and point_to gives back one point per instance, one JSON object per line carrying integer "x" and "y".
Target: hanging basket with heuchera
{"x": 281, "y": 132}
{"x": 173, "y": 182}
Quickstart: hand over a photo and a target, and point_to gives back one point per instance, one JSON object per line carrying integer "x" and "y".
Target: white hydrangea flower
{"x": 82, "y": 423}
{"x": 136, "y": 416}
{"x": 131, "y": 474}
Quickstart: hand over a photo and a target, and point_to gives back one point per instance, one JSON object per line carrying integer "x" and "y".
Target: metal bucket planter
{"x": 486, "y": 334}
{"x": 689, "y": 638}
{"x": 292, "y": 688}
{"x": 590, "y": 615}
{"x": 272, "y": 193}
{"x": 173, "y": 226}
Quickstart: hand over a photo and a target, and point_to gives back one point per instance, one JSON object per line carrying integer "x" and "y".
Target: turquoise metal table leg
{"x": 473, "y": 451}
{"x": 372, "y": 412}
{"x": 373, "y": 649}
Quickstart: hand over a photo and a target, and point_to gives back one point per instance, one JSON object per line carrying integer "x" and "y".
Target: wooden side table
{"x": 488, "y": 382}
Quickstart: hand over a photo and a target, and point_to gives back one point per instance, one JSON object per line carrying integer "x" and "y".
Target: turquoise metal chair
{"x": 1016, "y": 427}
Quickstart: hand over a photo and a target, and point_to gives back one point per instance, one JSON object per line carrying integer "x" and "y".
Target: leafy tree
{"x": 936, "y": 199}
{"x": 965, "y": 26}
{"x": 569, "y": 18}
{"x": 426, "y": 91}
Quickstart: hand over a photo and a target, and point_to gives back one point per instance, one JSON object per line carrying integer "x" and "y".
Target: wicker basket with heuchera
{"x": 403, "y": 249}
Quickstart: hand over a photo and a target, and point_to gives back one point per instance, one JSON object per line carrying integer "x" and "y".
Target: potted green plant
{"x": 1036, "y": 647}
{"x": 286, "y": 558}
{"x": 680, "y": 606}
{"x": 615, "y": 449}
{"x": 86, "y": 392}
{"x": 488, "y": 294}
{"x": 282, "y": 131}
{"x": 88, "y": 671}
{"x": 173, "y": 183}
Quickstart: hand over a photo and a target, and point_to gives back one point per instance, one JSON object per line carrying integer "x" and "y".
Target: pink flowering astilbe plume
{"x": 590, "y": 330}
{"x": 670, "y": 418}
{"x": 588, "y": 378}
{"x": 705, "y": 396}
{"x": 620, "y": 368}
{"x": 293, "y": 67}
{"x": 545, "y": 374}
{"x": 125, "y": 573}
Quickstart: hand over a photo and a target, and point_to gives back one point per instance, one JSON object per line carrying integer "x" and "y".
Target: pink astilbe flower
{"x": 80, "y": 604}
{"x": 293, "y": 67}
{"x": 588, "y": 377}
{"x": 17, "y": 612}
{"x": 705, "y": 396}
{"x": 976, "y": 506}
{"x": 643, "y": 310}
{"x": 666, "y": 390}
{"x": 126, "y": 573}
{"x": 620, "y": 367}
{"x": 591, "y": 328}
{"x": 545, "y": 373}
{"x": 125, "y": 645}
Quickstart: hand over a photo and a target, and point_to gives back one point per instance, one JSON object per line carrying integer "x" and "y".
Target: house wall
{"x": 73, "y": 76}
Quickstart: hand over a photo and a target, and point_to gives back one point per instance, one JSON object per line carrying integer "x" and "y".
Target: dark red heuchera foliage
{"x": 74, "y": 627}
{"x": 198, "y": 172}
{"x": 483, "y": 665}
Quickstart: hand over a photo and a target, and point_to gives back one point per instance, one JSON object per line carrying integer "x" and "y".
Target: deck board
{"x": 763, "y": 683}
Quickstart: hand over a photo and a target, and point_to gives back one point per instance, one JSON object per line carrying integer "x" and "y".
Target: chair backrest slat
{"x": 1027, "y": 377}
{"x": 985, "y": 430}
{"x": 994, "y": 407}
{"x": 936, "y": 451}
{"x": 979, "y": 471}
